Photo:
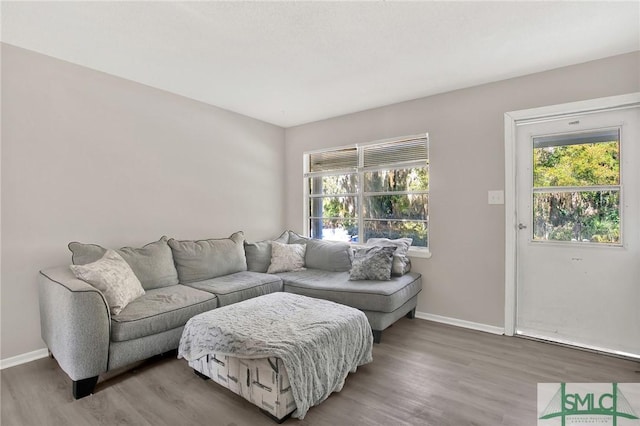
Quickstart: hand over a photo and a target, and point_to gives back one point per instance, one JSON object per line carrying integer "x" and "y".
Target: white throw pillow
{"x": 113, "y": 276}
{"x": 286, "y": 257}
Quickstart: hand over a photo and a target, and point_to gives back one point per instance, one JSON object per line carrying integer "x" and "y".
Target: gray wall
{"x": 94, "y": 158}
{"x": 464, "y": 279}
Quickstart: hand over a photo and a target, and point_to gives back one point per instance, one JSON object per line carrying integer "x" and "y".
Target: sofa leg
{"x": 411, "y": 314}
{"x": 84, "y": 387}
{"x": 377, "y": 336}
{"x": 202, "y": 376}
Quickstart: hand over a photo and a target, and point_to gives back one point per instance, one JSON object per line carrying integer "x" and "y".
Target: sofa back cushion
{"x": 327, "y": 255}
{"x": 151, "y": 264}
{"x": 259, "y": 254}
{"x": 206, "y": 259}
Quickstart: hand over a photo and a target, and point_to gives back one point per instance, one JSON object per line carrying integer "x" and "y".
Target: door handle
{"x": 522, "y": 226}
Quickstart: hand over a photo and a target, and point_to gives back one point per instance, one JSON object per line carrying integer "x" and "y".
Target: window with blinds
{"x": 376, "y": 190}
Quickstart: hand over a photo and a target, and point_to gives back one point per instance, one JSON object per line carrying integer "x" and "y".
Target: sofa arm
{"x": 75, "y": 323}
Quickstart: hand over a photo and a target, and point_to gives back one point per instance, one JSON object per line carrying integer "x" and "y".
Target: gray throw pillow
{"x": 401, "y": 261}
{"x": 372, "y": 263}
{"x": 152, "y": 264}
{"x": 205, "y": 259}
{"x": 259, "y": 254}
{"x": 327, "y": 255}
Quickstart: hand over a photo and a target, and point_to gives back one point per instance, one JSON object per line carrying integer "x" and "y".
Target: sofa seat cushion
{"x": 159, "y": 310}
{"x": 379, "y": 296}
{"x": 240, "y": 286}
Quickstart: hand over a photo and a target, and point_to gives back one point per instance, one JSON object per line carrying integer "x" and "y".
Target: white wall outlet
{"x": 496, "y": 197}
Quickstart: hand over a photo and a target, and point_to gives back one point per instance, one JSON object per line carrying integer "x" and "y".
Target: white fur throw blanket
{"x": 319, "y": 341}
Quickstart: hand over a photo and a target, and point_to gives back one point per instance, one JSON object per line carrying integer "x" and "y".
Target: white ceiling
{"x": 290, "y": 63}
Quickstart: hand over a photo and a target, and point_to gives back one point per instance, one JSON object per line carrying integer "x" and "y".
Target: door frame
{"x": 511, "y": 121}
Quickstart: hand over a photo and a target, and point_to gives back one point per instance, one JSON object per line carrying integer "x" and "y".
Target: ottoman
{"x": 283, "y": 352}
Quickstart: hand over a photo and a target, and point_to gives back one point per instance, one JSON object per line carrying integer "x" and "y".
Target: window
{"x": 576, "y": 187}
{"x": 369, "y": 191}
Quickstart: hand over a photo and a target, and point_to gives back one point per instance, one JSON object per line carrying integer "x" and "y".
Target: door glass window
{"x": 576, "y": 187}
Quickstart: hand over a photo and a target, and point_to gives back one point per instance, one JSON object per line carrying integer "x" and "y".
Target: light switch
{"x": 496, "y": 197}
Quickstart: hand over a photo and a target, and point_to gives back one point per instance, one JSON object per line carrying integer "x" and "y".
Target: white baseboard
{"x": 461, "y": 323}
{"x": 23, "y": 358}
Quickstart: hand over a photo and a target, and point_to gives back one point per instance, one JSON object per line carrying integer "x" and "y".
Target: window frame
{"x": 360, "y": 170}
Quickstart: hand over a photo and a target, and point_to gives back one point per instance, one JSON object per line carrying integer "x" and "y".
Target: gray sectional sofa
{"x": 184, "y": 278}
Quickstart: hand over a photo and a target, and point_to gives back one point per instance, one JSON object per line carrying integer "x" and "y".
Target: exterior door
{"x": 578, "y": 230}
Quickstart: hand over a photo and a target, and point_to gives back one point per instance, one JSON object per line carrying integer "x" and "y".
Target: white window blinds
{"x": 340, "y": 159}
{"x": 376, "y": 155}
{"x": 397, "y": 152}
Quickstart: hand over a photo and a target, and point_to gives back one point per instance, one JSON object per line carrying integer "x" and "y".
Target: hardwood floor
{"x": 423, "y": 373}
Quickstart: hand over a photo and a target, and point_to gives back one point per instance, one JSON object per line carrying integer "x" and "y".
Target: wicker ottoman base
{"x": 263, "y": 382}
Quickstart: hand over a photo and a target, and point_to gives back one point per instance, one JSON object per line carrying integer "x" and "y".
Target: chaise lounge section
{"x": 383, "y": 302}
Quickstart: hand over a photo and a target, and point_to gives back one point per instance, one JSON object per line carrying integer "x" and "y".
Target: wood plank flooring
{"x": 423, "y": 373}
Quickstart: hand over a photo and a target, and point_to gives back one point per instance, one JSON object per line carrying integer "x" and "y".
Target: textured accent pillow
{"x": 259, "y": 254}
{"x": 372, "y": 263}
{"x": 152, "y": 264}
{"x": 113, "y": 276}
{"x": 401, "y": 262}
{"x": 205, "y": 259}
{"x": 286, "y": 257}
